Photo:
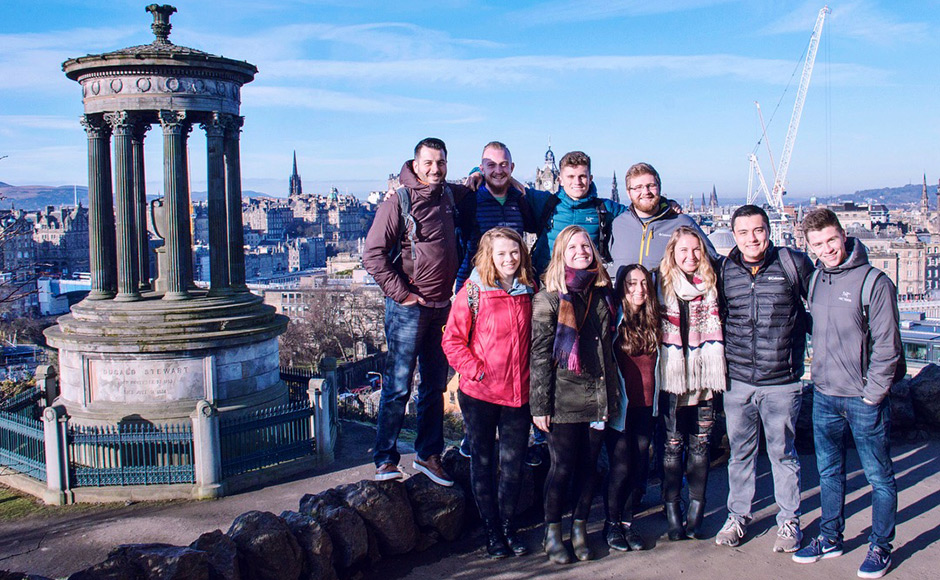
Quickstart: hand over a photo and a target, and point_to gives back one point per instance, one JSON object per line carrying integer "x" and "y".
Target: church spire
{"x": 614, "y": 194}
{"x": 296, "y": 187}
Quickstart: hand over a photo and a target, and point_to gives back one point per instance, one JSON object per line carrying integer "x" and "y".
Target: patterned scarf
{"x": 703, "y": 368}
{"x": 568, "y": 329}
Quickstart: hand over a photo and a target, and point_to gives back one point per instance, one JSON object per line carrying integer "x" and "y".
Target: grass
{"x": 14, "y": 505}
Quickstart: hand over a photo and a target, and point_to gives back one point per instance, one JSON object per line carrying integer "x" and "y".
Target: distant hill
{"x": 890, "y": 196}
{"x": 34, "y": 197}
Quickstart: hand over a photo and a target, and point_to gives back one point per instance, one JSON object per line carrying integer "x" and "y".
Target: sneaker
{"x": 818, "y": 549}
{"x": 387, "y": 471}
{"x": 433, "y": 469}
{"x": 731, "y": 533}
{"x": 464, "y": 448}
{"x": 533, "y": 455}
{"x": 789, "y": 537}
{"x": 876, "y": 563}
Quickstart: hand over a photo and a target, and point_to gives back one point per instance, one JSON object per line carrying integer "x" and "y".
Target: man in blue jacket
{"x": 857, "y": 356}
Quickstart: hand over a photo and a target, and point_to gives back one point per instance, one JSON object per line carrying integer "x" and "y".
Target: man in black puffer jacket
{"x": 765, "y": 339}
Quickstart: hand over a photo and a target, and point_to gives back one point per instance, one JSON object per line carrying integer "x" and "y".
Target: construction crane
{"x": 775, "y": 195}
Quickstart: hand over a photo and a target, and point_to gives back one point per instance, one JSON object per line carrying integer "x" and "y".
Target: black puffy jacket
{"x": 765, "y": 324}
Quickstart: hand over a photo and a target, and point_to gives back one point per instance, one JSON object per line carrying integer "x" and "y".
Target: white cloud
{"x": 592, "y": 10}
{"x": 324, "y": 100}
{"x": 44, "y": 122}
{"x": 861, "y": 19}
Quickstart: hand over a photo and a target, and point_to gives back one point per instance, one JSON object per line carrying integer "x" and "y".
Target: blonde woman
{"x": 691, "y": 370}
{"x": 574, "y": 385}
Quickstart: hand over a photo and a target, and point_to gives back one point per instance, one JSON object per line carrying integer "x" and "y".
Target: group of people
{"x": 551, "y": 339}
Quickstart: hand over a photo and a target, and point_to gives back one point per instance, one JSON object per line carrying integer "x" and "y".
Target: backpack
{"x": 868, "y": 288}
{"x": 546, "y": 222}
{"x": 409, "y": 224}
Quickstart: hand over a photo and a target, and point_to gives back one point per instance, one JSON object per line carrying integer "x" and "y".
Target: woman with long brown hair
{"x": 628, "y": 435}
{"x": 692, "y": 370}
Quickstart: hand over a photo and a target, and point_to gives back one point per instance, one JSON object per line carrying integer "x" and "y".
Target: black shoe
{"x": 554, "y": 547}
{"x": 512, "y": 540}
{"x": 634, "y": 540}
{"x": 694, "y": 518}
{"x": 533, "y": 455}
{"x": 495, "y": 542}
{"x": 674, "y": 520}
{"x": 579, "y": 540}
{"x": 613, "y": 533}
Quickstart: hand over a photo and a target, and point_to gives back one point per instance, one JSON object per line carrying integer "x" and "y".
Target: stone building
{"x": 61, "y": 237}
{"x": 547, "y": 177}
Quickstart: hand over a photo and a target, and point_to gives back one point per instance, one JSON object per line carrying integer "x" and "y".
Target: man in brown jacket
{"x": 411, "y": 251}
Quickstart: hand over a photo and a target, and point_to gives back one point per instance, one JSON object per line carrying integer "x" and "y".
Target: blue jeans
{"x": 871, "y": 429}
{"x": 413, "y": 335}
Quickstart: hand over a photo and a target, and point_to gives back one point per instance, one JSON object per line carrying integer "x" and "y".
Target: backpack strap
{"x": 409, "y": 225}
{"x": 812, "y": 288}
{"x": 547, "y": 219}
{"x": 789, "y": 270}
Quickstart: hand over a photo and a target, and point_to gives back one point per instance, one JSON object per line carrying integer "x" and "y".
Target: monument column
{"x": 175, "y": 184}
{"x": 218, "y": 253}
{"x": 233, "y": 179}
{"x": 122, "y": 127}
{"x": 140, "y": 204}
{"x": 100, "y": 209}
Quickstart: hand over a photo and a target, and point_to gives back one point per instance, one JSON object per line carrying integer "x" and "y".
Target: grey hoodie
{"x": 839, "y": 331}
{"x": 643, "y": 241}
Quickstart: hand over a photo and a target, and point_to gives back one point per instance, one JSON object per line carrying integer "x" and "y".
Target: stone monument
{"x": 137, "y": 351}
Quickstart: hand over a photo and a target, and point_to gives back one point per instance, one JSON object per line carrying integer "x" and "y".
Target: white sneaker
{"x": 731, "y": 533}
{"x": 789, "y": 537}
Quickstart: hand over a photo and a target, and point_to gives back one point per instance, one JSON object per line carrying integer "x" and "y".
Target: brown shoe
{"x": 432, "y": 468}
{"x": 387, "y": 471}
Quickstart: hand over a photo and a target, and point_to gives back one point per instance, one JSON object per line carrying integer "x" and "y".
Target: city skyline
{"x": 352, "y": 86}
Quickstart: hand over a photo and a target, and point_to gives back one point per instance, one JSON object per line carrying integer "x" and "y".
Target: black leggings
{"x": 629, "y": 458}
{"x": 574, "y": 448}
{"x": 482, "y": 420}
{"x": 691, "y": 427}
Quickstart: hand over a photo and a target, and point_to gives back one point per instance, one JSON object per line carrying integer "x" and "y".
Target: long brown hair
{"x": 639, "y": 331}
{"x": 668, "y": 266}
{"x": 554, "y": 276}
{"x": 483, "y": 260}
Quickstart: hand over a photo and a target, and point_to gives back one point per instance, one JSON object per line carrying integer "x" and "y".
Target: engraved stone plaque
{"x": 146, "y": 381}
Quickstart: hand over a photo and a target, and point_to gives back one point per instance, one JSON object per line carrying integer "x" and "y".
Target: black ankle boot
{"x": 694, "y": 517}
{"x": 613, "y": 533}
{"x": 495, "y": 542}
{"x": 554, "y": 547}
{"x": 512, "y": 540}
{"x": 579, "y": 540}
{"x": 674, "y": 519}
{"x": 634, "y": 540}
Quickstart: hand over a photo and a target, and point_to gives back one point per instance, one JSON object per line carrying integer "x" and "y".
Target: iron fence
{"x": 25, "y": 403}
{"x": 22, "y": 445}
{"x": 268, "y": 437}
{"x": 131, "y": 454}
{"x": 297, "y": 381}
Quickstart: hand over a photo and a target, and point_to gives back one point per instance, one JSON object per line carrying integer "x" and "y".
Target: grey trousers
{"x": 777, "y": 408}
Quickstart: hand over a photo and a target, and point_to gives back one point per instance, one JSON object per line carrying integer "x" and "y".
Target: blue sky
{"x": 353, "y": 85}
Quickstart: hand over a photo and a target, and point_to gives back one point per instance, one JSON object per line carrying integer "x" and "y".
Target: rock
{"x": 223, "y": 555}
{"x": 925, "y": 396}
{"x": 266, "y": 547}
{"x": 437, "y": 509}
{"x": 149, "y": 562}
{"x": 902, "y": 407}
{"x": 315, "y": 543}
{"x": 458, "y": 467}
{"x": 385, "y": 508}
{"x": 6, "y": 575}
{"x": 348, "y": 533}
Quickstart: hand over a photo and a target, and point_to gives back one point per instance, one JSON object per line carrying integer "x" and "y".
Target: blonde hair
{"x": 668, "y": 267}
{"x": 483, "y": 260}
{"x": 554, "y": 277}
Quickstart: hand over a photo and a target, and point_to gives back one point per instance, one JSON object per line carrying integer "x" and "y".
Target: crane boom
{"x": 780, "y": 180}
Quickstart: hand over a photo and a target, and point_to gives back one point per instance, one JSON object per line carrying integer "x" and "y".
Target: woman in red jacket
{"x": 487, "y": 341}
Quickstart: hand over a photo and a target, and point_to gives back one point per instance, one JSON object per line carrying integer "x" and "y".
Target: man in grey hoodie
{"x": 857, "y": 356}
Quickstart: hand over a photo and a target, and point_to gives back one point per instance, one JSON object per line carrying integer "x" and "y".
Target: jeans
{"x": 688, "y": 432}
{"x": 777, "y": 408}
{"x": 413, "y": 335}
{"x": 871, "y": 430}
{"x": 495, "y": 469}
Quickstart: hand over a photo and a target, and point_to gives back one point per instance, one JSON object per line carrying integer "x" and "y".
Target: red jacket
{"x": 498, "y": 347}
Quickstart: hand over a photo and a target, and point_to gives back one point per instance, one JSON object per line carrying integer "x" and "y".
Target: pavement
{"x": 57, "y": 545}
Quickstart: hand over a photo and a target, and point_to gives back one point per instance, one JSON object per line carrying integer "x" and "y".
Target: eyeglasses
{"x": 647, "y": 187}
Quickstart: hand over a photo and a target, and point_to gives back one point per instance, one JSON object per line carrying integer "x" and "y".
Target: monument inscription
{"x": 146, "y": 381}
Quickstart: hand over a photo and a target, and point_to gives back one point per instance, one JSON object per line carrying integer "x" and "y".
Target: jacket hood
{"x": 409, "y": 179}
{"x": 587, "y": 200}
{"x": 857, "y": 256}
{"x": 517, "y": 286}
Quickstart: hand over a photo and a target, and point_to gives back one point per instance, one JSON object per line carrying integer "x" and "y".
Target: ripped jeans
{"x": 688, "y": 431}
